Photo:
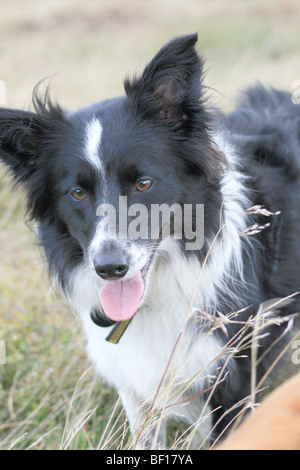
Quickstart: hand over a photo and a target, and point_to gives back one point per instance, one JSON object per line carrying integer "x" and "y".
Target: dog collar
{"x": 118, "y": 330}
{"x": 100, "y": 320}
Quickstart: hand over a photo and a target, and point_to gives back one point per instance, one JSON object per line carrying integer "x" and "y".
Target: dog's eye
{"x": 79, "y": 194}
{"x": 143, "y": 184}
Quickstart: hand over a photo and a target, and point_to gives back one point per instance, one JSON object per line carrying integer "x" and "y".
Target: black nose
{"x": 111, "y": 267}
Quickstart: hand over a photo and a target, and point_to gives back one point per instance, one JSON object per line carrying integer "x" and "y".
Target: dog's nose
{"x": 109, "y": 267}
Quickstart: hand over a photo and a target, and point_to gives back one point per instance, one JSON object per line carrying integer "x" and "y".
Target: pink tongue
{"x": 120, "y": 299}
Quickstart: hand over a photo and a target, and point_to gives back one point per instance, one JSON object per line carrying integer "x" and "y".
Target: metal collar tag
{"x": 117, "y": 332}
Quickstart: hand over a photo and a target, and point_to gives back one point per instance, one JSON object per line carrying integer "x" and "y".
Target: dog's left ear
{"x": 170, "y": 83}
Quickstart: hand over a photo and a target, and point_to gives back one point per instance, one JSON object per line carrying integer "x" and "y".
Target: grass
{"x": 49, "y": 395}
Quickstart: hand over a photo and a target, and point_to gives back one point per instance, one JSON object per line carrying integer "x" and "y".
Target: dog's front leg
{"x": 147, "y": 427}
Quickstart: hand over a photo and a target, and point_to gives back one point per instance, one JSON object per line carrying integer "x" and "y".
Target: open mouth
{"x": 120, "y": 299}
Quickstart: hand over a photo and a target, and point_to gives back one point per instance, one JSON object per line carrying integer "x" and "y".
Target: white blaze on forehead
{"x": 93, "y": 135}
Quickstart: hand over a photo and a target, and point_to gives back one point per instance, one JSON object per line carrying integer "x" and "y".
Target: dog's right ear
{"x": 21, "y": 134}
{"x": 25, "y": 136}
{"x": 26, "y": 150}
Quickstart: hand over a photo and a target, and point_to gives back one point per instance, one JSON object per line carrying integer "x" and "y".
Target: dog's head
{"x": 96, "y": 178}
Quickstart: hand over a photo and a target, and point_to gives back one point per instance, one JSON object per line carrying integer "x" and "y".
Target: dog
{"x": 170, "y": 227}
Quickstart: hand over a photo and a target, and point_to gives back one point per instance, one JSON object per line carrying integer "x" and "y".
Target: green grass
{"x": 49, "y": 396}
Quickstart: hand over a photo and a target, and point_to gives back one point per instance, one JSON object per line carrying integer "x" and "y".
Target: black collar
{"x": 100, "y": 319}
{"x": 114, "y": 336}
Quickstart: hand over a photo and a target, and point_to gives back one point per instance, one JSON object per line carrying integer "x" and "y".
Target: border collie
{"x": 170, "y": 324}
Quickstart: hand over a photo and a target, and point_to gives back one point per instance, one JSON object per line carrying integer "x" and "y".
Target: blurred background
{"x": 49, "y": 397}
{"x": 88, "y": 47}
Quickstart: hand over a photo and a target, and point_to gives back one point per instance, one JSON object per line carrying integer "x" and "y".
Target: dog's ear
{"x": 170, "y": 90}
{"x": 25, "y": 135}
{"x": 20, "y": 136}
{"x": 26, "y": 148}
{"x": 170, "y": 84}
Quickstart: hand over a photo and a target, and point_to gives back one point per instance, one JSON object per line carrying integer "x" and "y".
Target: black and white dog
{"x": 94, "y": 179}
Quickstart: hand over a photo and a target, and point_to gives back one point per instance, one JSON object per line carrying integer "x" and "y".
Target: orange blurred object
{"x": 274, "y": 425}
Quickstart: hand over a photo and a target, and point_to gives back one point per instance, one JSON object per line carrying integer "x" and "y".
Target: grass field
{"x": 49, "y": 397}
